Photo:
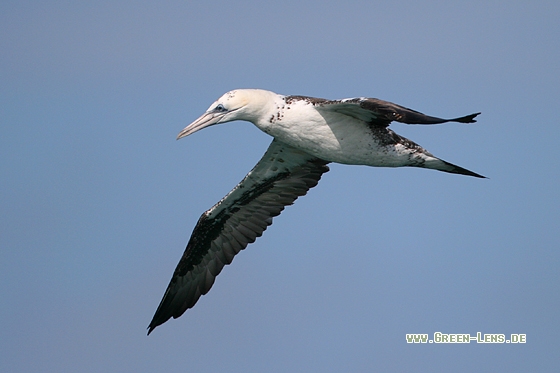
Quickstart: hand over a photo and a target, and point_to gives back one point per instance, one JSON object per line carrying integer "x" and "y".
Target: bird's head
{"x": 240, "y": 104}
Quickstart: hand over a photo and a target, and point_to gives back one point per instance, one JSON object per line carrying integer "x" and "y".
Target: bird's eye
{"x": 220, "y": 107}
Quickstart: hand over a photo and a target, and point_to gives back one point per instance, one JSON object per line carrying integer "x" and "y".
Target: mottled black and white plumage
{"x": 308, "y": 134}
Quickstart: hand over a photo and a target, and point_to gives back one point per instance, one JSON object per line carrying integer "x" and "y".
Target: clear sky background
{"x": 98, "y": 200}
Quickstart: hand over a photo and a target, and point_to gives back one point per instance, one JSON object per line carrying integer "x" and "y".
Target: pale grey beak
{"x": 206, "y": 120}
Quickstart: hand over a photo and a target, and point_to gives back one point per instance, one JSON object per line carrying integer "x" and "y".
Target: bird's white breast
{"x": 330, "y": 136}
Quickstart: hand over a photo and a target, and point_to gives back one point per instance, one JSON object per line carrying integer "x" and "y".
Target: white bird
{"x": 308, "y": 134}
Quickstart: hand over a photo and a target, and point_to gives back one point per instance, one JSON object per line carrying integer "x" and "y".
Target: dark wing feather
{"x": 281, "y": 176}
{"x": 382, "y": 113}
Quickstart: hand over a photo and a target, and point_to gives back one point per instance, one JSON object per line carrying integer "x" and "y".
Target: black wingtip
{"x": 466, "y": 119}
{"x": 156, "y": 321}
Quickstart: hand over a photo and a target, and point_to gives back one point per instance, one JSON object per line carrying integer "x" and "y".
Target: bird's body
{"x": 325, "y": 134}
{"x": 308, "y": 134}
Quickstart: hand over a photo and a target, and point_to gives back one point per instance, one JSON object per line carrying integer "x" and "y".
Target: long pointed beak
{"x": 206, "y": 120}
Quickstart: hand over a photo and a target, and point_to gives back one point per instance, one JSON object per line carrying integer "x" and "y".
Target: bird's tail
{"x": 441, "y": 165}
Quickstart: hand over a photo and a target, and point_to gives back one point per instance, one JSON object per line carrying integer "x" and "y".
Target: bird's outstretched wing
{"x": 379, "y": 112}
{"x": 281, "y": 176}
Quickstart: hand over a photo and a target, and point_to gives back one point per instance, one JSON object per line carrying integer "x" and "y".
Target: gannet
{"x": 308, "y": 134}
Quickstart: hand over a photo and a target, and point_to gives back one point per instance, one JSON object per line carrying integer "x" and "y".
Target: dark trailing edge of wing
{"x": 387, "y": 112}
{"x": 376, "y": 111}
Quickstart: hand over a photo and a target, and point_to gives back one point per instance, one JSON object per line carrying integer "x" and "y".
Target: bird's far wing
{"x": 281, "y": 176}
{"x": 379, "y": 112}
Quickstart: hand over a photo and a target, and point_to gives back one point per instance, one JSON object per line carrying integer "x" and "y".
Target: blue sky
{"x": 98, "y": 199}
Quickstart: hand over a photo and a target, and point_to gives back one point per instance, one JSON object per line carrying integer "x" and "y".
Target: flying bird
{"x": 308, "y": 134}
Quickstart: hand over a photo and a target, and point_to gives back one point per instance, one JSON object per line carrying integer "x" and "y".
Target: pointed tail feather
{"x": 463, "y": 171}
{"x": 441, "y": 165}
